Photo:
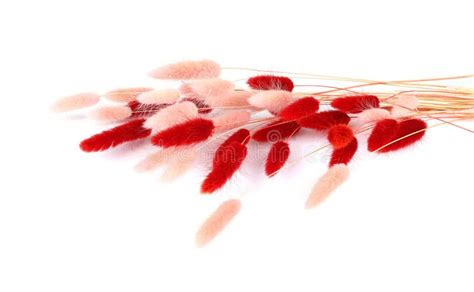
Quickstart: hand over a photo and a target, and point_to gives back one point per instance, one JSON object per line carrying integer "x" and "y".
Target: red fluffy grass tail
{"x": 299, "y": 109}
{"x": 242, "y": 136}
{"x": 187, "y": 133}
{"x": 324, "y": 120}
{"x": 223, "y": 168}
{"x": 276, "y": 131}
{"x": 355, "y": 104}
{"x": 277, "y": 157}
{"x": 383, "y": 133}
{"x": 344, "y": 155}
{"x": 270, "y": 82}
{"x": 126, "y": 132}
{"x": 409, "y": 132}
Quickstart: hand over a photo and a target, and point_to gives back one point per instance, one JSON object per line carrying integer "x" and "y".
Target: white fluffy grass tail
{"x": 74, "y": 102}
{"x": 217, "y": 221}
{"x": 168, "y": 96}
{"x": 272, "y": 100}
{"x": 110, "y": 113}
{"x": 330, "y": 181}
{"x": 188, "y": 70}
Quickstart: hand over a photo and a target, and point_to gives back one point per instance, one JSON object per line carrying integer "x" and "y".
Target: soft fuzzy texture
{"x": 172, "y": 115}
{"x": 224, "y": 168}
{"x": 201, "y": 69}
{"x": 382, "y": 134}
{"x": 270, "y": 82}
{"x": 179, "y": 164}
{"x": 203, "y": 108}
{"x": 328, "y": 183}
{"x": 74, "y": 102}
{"x": 271, "y": 100}
{"x": 344, "y": 155}
{"x": 129, "y": 131}
{"x": 110, "y": 113}
{"x": 235, "y": 98}
{"x": 300, "y": 108}
{"x": 126, "y": 94}
{"x": 403, "y": 105}
{"x": 406, "y": 127}
{"x": 340, "y": 136}
{"x": 324, "y": 120}
{"x": 217, "y": 221}
{"x": 168, "y": 96}
{"x": 145, "y": 110}
{"x": 241, "y": 136}
{"x": 277, "y": 157}
{"x": 276, "y": 131}
{"x": 356, "y": 103}
{"x": 187, "y": 133}
{"x": 214, "y": 87}
{"x": 373, "y": 115}
{"x": 230, "y": 120}
{"x": 155, "y": 159}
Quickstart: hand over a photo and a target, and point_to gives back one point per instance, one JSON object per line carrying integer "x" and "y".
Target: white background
{"x": 71, "y": 221}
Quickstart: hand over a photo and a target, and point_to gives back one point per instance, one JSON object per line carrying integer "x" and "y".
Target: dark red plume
{"x": 225, "y": 167}
{"x": 324, "y": 120}
{"x": 145, "y": 110}
{"x": 187, "y": 133}
{"x": 203, "y": 108}
{"x": 299, "y": 109}
{"x": 277, "y": 157}
{"x": 383, "y": 133}
{"x": 269, "y": 82}
{"x": 242, "y": 136}
{"x": 129, "y": 131}
{"x": 356, "y": 103}
{"x": 345, "y": 154}
{"x": 276, "y": 131}
{"x": 405, "y": 128}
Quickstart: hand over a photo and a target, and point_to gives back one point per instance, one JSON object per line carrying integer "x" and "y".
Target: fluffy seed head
{"x": 345, "y": 154}
{"x": 187, "y": 133}
{"x": 300, "y": 108}
{"x": 373, "y": 115}
{"x": 110, "y": 113}
{"x": 324, "y": 120}
{"x": 217, "y": 221}
{"x": 168, "y": 96}
{"x": 276, "y": 131}
{"x": 214, "y": 87}
{"x": 179, "y": 164}
{"x": 271, "y": 100}
{"x": 233, "y": 98}
{"x": 409, "y": 132}
{"x": 77, "y": 101}
{"x": 383, "y": 133}
{"x": 356, "y": 103}
{"x": 155, "y": 159}
{"x": 224, "y": 168}
{"x": 126, "y": 94}
{"x": 277, "y": 157}
{"x": 404, "y": 104}
{"x": 201, "y": 69}
{"x": 340, "y": 135}
{"x": 172, "y": 115}
{"x": 129, "y": 131}
{"x": 230, "y": 120}
{"x": 270, "y": 82}
{"x": 328, "y": 183}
